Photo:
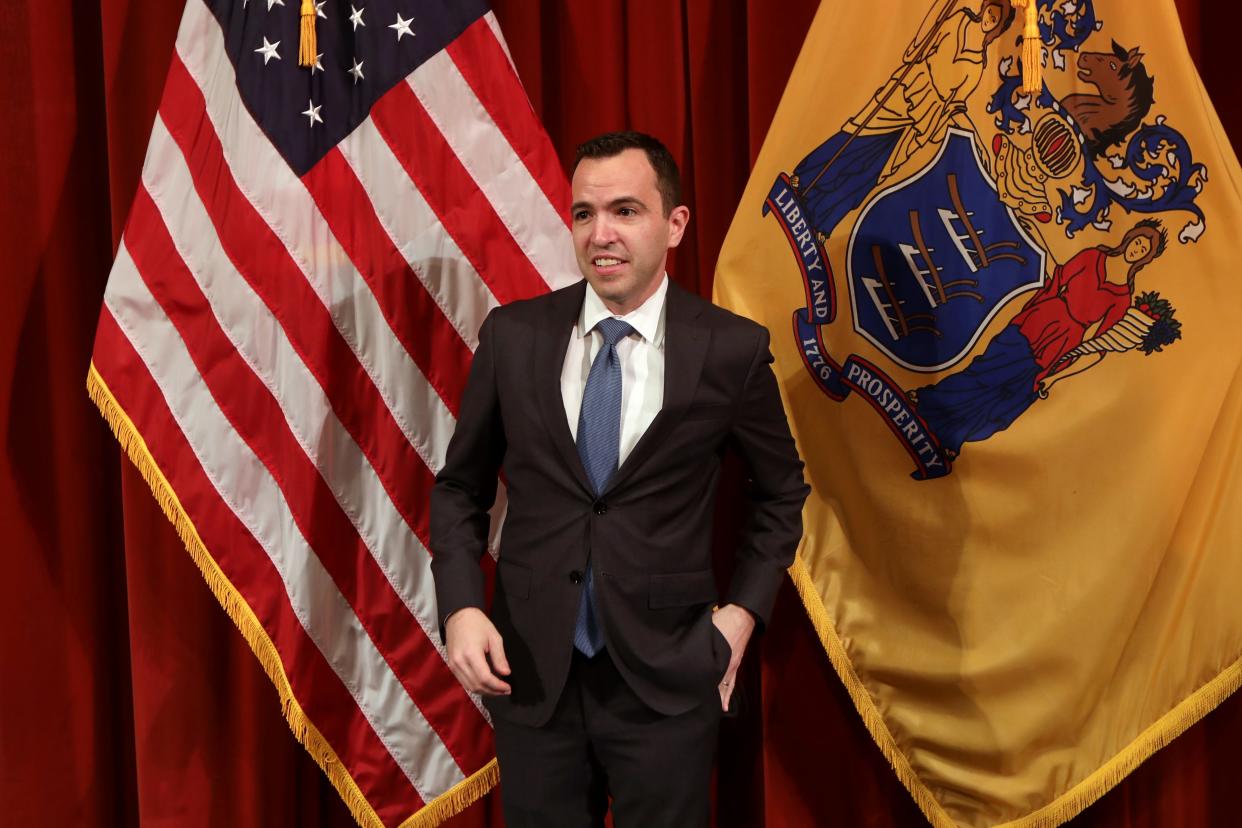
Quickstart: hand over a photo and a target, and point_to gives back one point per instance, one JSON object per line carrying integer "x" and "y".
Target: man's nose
{"x": 603, "y": 232}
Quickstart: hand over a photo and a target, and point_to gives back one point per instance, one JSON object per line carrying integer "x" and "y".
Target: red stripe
{"x": 428, "y": 336}
{"x": 257, "y": 417}
{"x": 454, "y": 196}
{"x": 483, "y": 63}
{"x": 317, "y": 688}
{"x": 262, "y": 260}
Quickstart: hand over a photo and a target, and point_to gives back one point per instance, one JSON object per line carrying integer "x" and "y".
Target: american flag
{"x": 285, "y": 337}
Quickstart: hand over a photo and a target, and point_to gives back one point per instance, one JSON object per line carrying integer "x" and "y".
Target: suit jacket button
{"x": 575, "y": 577}
{"x": 601, "y": 508}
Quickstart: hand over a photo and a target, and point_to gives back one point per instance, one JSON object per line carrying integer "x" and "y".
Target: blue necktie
{"x": 599, "y": 445}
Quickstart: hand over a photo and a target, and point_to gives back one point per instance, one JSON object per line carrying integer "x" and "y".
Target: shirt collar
{"x": 647, "y": 319}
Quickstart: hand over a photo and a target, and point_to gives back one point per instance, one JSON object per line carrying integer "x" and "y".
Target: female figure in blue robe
{"x": 1084, "y": 297}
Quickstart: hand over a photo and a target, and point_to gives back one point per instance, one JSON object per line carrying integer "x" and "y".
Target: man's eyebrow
{"x": 623, "y": 201}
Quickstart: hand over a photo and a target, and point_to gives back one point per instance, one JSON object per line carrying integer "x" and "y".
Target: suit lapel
{"x": 685, "y": 347}
{"x": 551, "y": 342}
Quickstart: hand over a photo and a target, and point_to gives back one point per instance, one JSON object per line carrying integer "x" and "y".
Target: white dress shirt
{"x": 642, "y": 364}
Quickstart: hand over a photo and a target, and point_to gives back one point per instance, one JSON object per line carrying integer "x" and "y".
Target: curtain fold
{"x": 127, "y": 696}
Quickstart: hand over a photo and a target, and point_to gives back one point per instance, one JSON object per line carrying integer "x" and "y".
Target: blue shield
{"x": 933, "y": 258}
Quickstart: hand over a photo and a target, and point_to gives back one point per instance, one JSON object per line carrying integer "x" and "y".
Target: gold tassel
{"x": 307, "y": 47}
{"x": 1032, "y": 48}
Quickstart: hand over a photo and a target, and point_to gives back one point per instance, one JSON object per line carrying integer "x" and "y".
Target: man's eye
{"x": 628, "y": 211}
{"x": 581, "y": 215}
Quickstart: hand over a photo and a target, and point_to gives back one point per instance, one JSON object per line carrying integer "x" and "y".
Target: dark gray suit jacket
{"x": 648, "y": 534}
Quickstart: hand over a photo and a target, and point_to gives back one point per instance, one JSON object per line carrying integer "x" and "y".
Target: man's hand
{"x": 472, "y": 640}
{"x": 736, "y": 625}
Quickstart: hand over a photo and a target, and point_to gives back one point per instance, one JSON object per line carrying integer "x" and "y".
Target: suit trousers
{"x": 603, "y": 743}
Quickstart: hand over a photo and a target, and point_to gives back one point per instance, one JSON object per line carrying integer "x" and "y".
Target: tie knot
{"x": 614, "y": 330}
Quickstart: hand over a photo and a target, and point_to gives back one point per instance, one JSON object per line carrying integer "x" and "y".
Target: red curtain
{"x": 126, "y": 694}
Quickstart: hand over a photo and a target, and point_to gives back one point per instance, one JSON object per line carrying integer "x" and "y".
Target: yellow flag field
{"x": 1005, "y": 316}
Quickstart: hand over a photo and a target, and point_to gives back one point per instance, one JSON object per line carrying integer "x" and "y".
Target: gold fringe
{"x": 1066, "y": 806}
{"x": 456, "y": 799}
{"x": 863, "y": 702}
{"x": 1164, "y": 730}
{"x": 307, "y": 45}
{"x": 432, "y": 813}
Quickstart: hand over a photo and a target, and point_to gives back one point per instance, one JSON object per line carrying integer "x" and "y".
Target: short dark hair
{"x": 611, "y": 144}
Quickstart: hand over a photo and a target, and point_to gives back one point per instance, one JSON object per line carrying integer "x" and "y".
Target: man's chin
{"x": 613, "y": 287}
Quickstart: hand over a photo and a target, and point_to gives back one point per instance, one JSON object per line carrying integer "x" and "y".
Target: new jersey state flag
{"x": 1007, "y": 331}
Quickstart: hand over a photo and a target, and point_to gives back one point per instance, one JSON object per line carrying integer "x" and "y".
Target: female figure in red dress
{"x": 1082, "y": 298}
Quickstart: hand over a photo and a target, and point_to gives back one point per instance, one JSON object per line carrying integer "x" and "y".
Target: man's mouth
{"x": 605, "y": 261}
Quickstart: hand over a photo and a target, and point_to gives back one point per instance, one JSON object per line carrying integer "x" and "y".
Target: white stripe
{"x": 417, "y": 233}
{"x": 485, "y": 153}
{"x": 245, "y": 485}
{"x": 494, "y": 25}
{"x": 283, "y": 201}
{"x": 258, "y": 337}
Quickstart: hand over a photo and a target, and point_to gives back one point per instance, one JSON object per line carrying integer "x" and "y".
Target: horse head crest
{"x": 1124, "y": 96}
{"x": 1129, "y": 59}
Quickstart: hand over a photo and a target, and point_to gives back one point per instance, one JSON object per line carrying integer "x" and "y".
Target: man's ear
{"x": 678, "y": 218}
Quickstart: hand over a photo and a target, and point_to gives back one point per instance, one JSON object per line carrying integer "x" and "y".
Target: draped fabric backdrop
{"x": 127, "y": 694}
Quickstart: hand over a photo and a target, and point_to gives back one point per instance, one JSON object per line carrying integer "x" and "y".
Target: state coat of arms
{"x": 946, "y": 224}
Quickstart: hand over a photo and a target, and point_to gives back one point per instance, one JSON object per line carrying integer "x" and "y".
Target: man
{"x": 608, "y": 405}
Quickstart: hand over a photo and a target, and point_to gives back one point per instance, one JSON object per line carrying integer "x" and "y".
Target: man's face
{"x": 621, "y": 235}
